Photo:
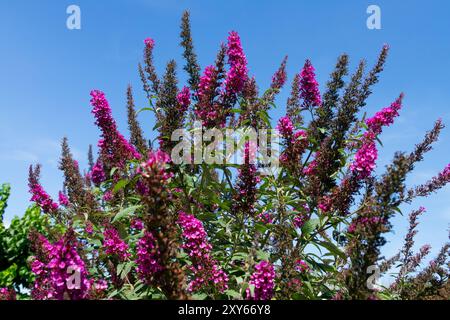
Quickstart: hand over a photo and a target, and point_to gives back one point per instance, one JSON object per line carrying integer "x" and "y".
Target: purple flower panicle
{"x": 301, "y": 266}
{"x": 364, "y": 222}
{"x": 97, "y": 173}
{"x": 309, "y": 88}
{"x": 114, "y": 245}
{"x": 205, "y": 269}
{"x": 365, "y": 158}
{"x": 149, "y": 43}
{"x": 115, "y": 149}
{"x": 7, "y": 294}
{"x": 61, "y": 274}
{"x": 42, "y": 199}
{"x": 62, "y": 199}
{"x": 280, "y": 76}
{"x": 155, "y": 165}
{"x": 285, "y": 127}
{"x": 238, "y": 73}
{"x": 147, "y": 258}
{"x": 385, "y": 117}
{"x": 184, "y": 99}
{"x": 206, "y": 109}
{"x": 263, "y": 281}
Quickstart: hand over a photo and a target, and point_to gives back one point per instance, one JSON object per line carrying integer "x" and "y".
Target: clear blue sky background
{"x": 47, "y": 72}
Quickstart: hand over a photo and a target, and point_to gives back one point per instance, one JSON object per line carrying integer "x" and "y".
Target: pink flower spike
{"x": 184, "y": 99}
{"x": 238, "y": 73}
{"x": 263, "y": 281}
{"x": 385, "y": 117}
{"x": 149, "y": 43}
{"x": 309, "y": 88}
{"x": 364, "y": 161}
{"x": 62, "y": 199}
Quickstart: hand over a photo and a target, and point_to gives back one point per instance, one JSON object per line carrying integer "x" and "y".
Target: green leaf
{"x": 113, "y": 170}
{"x": 264, "y": 117}
{"x": 379, "y": 141}
{"x": 333, "y": 249}
{"x": 126, "y": 269}
{"x": 114, "y": 293}
{"x": 262, "y": 228}
{"x": 252, "y": 289}
{"x": 96, "y": 242}
{"x": 233, "y": 294}
{"x": 120, "y": 268}
{"x": 200, "y": 296}
{"x": 310, "y": 289}
{"x": 126, "y": 212}
{"x": 144, "y": 109}
{"x": 262, "y": 255}
{"x": 309, "y": 226}
{"x": 120, "y": 185}
{"x": 397, "y": 209}
{"x": 239, "y": 256}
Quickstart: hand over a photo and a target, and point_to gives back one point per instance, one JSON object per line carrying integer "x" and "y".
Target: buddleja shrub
{"x": 14, "y": 244}
{"x": 138, "y": 225}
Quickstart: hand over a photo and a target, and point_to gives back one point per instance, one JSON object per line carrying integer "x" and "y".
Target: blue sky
{"x": 48, "y": 72}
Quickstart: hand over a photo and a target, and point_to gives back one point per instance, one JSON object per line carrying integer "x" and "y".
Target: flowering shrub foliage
{"x": 15, "y": 250}
{"x": 138, "y": 225}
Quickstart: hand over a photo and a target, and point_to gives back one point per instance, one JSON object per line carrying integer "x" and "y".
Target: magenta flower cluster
{"x": 7, "y": 294}
{"x": 116, "y": 150}
{"x": 136, "y": 224}
{"x": 238, "y": 73}
{"x": 364, "y": 222}
{"x": 147, "y": 257}
{"x": 302, "y": 217}
{"x": 366, "y": 156}
{"x": 206, "y": 109}
{"x": 97, "y": 173}
{"x": 312, "y": 166}
{"x": 114, "y": 245}
{"x": 42, "y": 199}
{"x": 205, "y": 269}
{"x": 385, "y": 117}
{"x": 89, "y": 228}
{"x": 265, "y": 217}
{"x": 248, "y": 178}
{"x": 296, "y": 142}
{"x": 285, "y": 127}
{"x": 325, "y": 204}
{"x": 184, "y": 99}
{"x": 309, "y": 87}
{"x": 62, "y": 273}
{"x": 300, "y": 139}
{"x": 279, "y": 78}
{"x": 263, "y": 282}
{"x": 301, "y": 266}
{"x": 445, "y": 174}
{"x": 149, "y": 43}
{"x": 196, "y": 244}
{"x": 155, "y": 166}
{"x": 108, "y": 196}
{"x": 62, "y": 199}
